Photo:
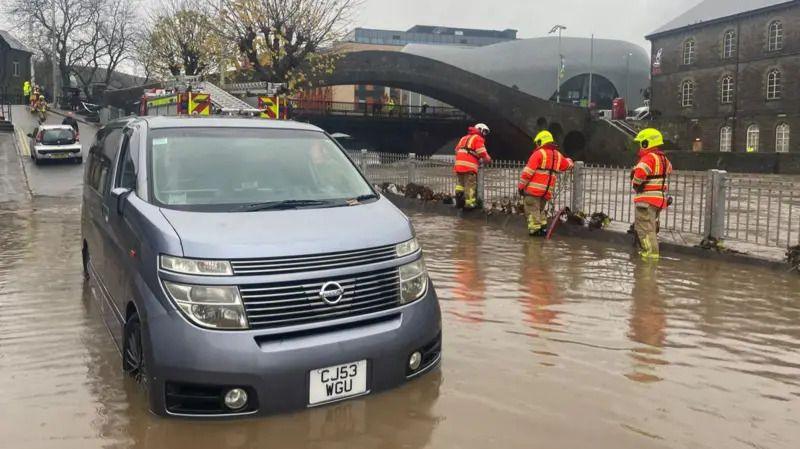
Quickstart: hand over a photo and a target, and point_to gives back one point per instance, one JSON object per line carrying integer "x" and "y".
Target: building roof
{"x": 13, "y": 42}
{"x": 428, "y": 29}
{"x": 713, "y": 10}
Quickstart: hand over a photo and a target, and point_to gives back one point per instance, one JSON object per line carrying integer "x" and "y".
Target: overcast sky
{"x": 628, "y": 20}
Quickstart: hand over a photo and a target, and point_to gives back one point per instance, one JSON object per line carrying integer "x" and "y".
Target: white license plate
{"x": 337, "y": 382}
{"x": 61, "y": 155}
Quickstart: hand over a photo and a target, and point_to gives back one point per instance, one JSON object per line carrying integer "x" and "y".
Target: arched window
{"x": 775, "y": 38}
{"x": 774, "y": 85}
{"x": 782, "y": 138}
{"x": 688, "y": 52}
{"x": 725, "y": 139}
{"x": 729, "y": 44}
{"x": 687, "y": 94}
{"x": 726, "y": 90}
{"x": 752, "y": 139}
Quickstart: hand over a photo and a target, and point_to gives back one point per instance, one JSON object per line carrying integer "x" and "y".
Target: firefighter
{"x": 470, "y": 151}
{"x": 538, "y": 180}
{"x": 649, "y": 180}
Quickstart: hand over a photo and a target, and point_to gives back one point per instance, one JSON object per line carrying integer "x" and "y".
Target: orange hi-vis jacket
{"x": 470, "y": 149}
{"x": 649, "y": 178}
{"x": 539, "y": 176}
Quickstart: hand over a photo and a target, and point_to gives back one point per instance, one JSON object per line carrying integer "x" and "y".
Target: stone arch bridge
{"x": 514, "y": 116}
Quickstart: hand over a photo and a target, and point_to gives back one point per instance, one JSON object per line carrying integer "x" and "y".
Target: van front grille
{"x": 298, "y": 264}
{"x": 300, "y": 302}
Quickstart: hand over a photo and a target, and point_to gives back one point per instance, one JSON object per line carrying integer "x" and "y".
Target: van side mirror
{"x": 120, "y": 194}
{"x": 30, "y": 135}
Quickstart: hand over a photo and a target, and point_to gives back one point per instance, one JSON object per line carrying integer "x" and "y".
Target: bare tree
{"x": 67, "y": 21}
{"x": 179, "y": 39}
{"x": 108, "y": 41}
{"x": 281, "y": 40}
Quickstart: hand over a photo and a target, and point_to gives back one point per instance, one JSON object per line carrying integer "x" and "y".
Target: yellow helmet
{"x": 544, "y": 137}
{"x": 649, "y": 138}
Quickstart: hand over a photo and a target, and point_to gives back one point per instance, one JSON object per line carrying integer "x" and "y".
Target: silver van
{"x": 245, "y": 266}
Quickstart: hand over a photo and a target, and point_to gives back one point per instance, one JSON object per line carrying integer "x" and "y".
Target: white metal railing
{"x": 759, "y": 209}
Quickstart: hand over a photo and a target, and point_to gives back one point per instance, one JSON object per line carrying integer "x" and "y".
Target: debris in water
{"x": 793, "y": 257}
{"x": 599, "y": 220}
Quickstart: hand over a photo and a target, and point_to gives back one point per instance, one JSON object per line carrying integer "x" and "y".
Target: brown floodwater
{"x": 562, "y": 344}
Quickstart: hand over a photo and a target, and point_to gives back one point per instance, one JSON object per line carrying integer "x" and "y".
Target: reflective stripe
{"x": 466, "y": 164}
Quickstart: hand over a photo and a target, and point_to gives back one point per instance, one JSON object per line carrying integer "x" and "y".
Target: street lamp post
{"x": 558, "y": 29}
{"x": 627, "y": 78}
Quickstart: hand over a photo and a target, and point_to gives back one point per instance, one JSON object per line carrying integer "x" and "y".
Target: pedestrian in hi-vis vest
{"x": 538, "y": 180}
{"x": 470, "y": 151}
{"x": 649, "y": 180}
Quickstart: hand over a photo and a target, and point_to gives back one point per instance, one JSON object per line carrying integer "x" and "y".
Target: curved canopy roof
{"x": 531, "y": 64}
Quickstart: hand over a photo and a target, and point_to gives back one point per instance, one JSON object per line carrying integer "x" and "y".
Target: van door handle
{"x": 105, "y": 213}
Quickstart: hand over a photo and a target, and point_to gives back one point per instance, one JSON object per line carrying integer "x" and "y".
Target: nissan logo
{"x": 331, "y": 292}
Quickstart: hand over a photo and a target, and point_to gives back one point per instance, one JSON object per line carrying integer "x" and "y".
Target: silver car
{"x": 55, "y": 142}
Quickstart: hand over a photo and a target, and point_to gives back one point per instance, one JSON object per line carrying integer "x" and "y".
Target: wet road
{"x": 565, "y": 344}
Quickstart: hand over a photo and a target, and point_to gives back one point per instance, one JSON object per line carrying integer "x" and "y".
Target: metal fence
{"x": 759, "y": 209}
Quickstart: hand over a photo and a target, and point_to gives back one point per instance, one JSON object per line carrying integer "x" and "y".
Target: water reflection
{"x": 648, "y": 323}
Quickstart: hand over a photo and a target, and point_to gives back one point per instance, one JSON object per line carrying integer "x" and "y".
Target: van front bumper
{"x": 275, "y": 367}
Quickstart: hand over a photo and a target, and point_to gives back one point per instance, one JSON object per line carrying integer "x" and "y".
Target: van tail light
{"x": 77, "y": 137}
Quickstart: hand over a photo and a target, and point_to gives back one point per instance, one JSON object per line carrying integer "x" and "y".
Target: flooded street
{"x": 563, "y": 344}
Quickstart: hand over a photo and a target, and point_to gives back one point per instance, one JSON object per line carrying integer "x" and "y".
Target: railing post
{"x": 481, "y": 185}
{"x": 576, "y": 205}
{"x": 714, "y": 220}
{"x": 362, "y": 161}
{"x": 412, "y": 178}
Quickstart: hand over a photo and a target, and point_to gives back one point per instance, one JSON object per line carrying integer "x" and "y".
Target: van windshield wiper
{"x": 361, "y": 199}
{"x": 286, "y": 204}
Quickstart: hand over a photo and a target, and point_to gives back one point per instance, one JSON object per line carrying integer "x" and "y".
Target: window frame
{"x": 689, "y": 51}
{"x": 726, "y": 139}
{"x": 729, "y": 44}
{"x": 15, "y": 69}
{"x": 687, "y": 93}
{"x": 775, "y": 36}
{"x": 727, "y": 86}
{"x": 774, "y": 84}
{"x": 753, "y": 129}
{"x": 783, "y": 134}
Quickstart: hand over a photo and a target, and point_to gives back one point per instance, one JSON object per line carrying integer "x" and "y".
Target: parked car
{"x": 55, "y": 142}
{"x": 246, "y": 267}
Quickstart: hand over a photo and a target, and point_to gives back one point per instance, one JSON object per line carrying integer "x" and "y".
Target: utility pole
{"x": 627, "y": 79}
{"x": 54, "y": 51}
{"x": 222, "y": 62}
{"x": 558, "y": 29}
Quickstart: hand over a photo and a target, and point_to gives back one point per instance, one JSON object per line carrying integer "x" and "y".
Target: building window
{"x": 725, "y": 139}
{"x": 726, "y": 94}
{"x": 752, "y": 139}
{"x": 782, "y": 138}
{"x": 729, "y": 44}
{"x": 688, "y": 52}
{"x": 687, "y": 94}
{"x": 775, "y": 36}
{"x": 15, "y": 68}
{"x": 774, "y": 85}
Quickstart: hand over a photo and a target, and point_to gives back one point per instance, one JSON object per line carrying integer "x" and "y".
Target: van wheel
{"x": 133, "y": 359}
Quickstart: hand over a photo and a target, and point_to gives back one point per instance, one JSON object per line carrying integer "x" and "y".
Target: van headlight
{"x": 413, "y": 281}
{"x": 407, "y": 247}
{"x": 195, "y": 266}
{"x": 217, "y": 307}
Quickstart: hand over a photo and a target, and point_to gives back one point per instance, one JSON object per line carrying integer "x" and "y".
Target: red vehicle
{"x": 618, "y": 109}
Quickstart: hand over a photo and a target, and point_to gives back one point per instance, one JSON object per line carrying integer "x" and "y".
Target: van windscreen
{"x": 228, "y": 168}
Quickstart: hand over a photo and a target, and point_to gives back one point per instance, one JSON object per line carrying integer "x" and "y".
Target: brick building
{"x": 725, "y": 77}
